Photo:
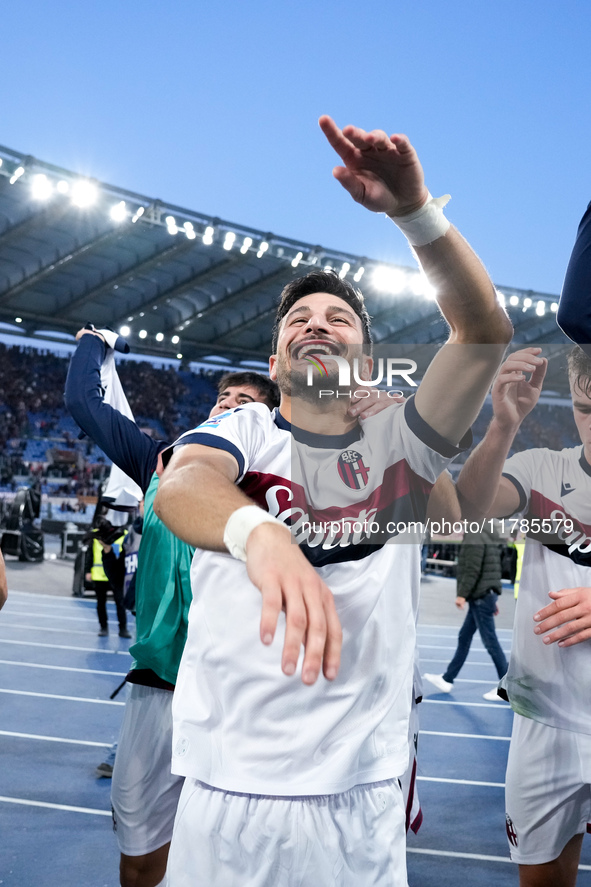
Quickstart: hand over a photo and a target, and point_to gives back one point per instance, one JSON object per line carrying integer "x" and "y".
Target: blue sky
{"x": 214, "y": 106}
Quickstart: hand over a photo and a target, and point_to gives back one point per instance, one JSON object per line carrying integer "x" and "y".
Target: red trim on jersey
{"x": 542, "y": 508}
{"x": 399, "y": 480}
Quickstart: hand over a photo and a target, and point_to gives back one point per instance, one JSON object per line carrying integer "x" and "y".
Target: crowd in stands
{"x": 39, "y": 439}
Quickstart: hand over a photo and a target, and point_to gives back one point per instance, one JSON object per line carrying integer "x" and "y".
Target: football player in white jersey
{"x": 548, "y": 785}
{"x": 294, "y": 780}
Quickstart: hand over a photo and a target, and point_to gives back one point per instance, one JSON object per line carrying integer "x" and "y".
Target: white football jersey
{"x": 239, "y": 723}
{"x": 546, "y": 682}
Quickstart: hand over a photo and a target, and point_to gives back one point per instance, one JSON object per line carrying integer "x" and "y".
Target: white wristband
{"x": 425, "y": 224}
{"x": 240, "y": 525}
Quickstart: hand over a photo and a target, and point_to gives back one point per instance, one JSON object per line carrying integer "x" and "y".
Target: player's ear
{"x": 366, "y": 368}
{"x": 273, "y": 367}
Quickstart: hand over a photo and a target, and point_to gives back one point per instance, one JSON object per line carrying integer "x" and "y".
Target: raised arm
{"x": 196, "y": 498}
{"x": 482, "y": 490}
{"x": 384, "y": 174}
{"x": 574, "y": 308}
{"x": 135, "y": 452}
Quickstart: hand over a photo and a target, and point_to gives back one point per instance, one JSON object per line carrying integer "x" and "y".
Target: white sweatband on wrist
{"x": 240, "y": 525}
{"x": 426, "y": 224}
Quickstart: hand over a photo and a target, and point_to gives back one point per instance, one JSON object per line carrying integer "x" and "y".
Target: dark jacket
{"x": 479, "y": 570}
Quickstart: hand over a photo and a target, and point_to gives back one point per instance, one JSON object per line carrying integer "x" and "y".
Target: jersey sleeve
{"x": 519, "y": 470}
{"x": 240, "y": 432}
{"x": 574, "y": 309}
{"x": 425, "y": 451}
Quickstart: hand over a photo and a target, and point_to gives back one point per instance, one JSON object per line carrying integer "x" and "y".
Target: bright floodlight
{"x": 171, "y": 224}
{"x": 246, "y": 245}
{"x": 189, "y": 230}
{"x": 262, "y": 249}
{"x": 526, "y": 303}
{"x": 18, "y": 320}
{"x": 41, "y": 187}
{"x": 208, "y": 236}
{"x": 118, "y": 211}
{"x": 159, "y": 337}
{"x": 124, "y": 331}
{"x": 514, "y": 300}
{"x": 229, "y": 240}
{"x": 142, "y": 334}
{"x": 501, "y": 298}
{"x": 175, "y": 340}
{"x": 179, "y": 356}
{"x": 138, "y": 214}
{"x": 84, "y": 193}
{"x": 391, "y": 280}
{"x": 541, "y": 308}
{"x": 19, "y": 171}
{"x": 63, "y": 187}
{"x": 345, "y": 268}
{"x": 297, "y": 259}
{"x": 359, "y": 274}
{"x": 1, "y": 161}
{"x": 554, "y": 307}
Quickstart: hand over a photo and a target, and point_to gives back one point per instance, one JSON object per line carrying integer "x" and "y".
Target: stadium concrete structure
{"x": 184, "y": 284}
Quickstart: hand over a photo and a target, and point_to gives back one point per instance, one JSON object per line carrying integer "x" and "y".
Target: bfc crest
{"x": 352, "y": 471}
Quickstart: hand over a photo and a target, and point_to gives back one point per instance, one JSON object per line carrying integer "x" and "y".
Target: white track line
{"x": 46, "y": 630}
{"x": 463, "y": 735}
{"x": 66, "y": 698}
{"x": 53, "y": 739}
{"x": 461, "y": 781}
{"x": 27, "y": 803}
{"x": 480, "y": 857}
{"x": 116, "y": 674}
{"x": 36, "y": 615}
{"x": 500, "y": 705}
{"x": 63, "y": 647}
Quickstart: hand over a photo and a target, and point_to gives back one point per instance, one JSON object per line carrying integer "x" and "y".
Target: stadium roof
{"x": 75, "y": 250}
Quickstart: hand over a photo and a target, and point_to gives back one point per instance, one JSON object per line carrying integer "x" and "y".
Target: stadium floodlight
{"x": 171, "y": 225}
{"x": 501, "y": 298}
{"x": 359, "y": 274}
{"x": 262, "y": 249}
{"x": 297, "y": 259}
{"x": 527, "y": 303}
{"x": 179, "y": 356}
{"x": 345, "y": 268}
{"x": 41, "y": 187}
{"x": 1, "y": 161}
{"x": 514, "y": 300}
{"x": 124, "y": 331}
{"x": 118, "y": 211}
{"x": 84, "y": 193}
{"x": 138, "y": 214}
{"x": 391, "y": 280}
{"x": 229, "y": 240}
{"x": 18, "y": 320}
{"x": 175, "y": 340}
{"x": 554, "y": 307}
{"x": 189, "y": 230}
{"x": 328, "y": 267}
{"x": 246, "y": 245}
{"x": 19, "y": 171}
{"x": 541, "y": 308}
{"x": 208, "y": 235}
{"x": 142, "y": 334}
{"x": 420, "y": 286}
{"x": 63, "y": 187}
{"x": 159, "y": 337}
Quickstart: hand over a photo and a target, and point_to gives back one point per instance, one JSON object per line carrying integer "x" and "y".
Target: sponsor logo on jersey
{"x": 511, "y": 833}
{"x": 566, "y": 488}
{"x": 210, "y": 423}
{"x": 352, "y": 470}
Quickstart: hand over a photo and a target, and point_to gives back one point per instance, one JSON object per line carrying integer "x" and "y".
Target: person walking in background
{"x": 479, "y": 584}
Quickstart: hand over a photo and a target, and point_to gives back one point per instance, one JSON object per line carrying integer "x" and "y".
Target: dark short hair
{"x": 266, "y": 388}
{"x": 579, "y": 370}
{"x": 322, "y": 282}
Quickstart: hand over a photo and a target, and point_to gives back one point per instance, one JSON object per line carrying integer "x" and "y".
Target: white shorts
{"x": 548, "y": 790}
{"x": 226, "y": 839}
{"x": 144, "y": 793}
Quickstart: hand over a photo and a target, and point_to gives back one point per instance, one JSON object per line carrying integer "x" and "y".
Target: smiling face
{"x": 315, "y": 327}
{"x": 581, "y": 397}
{"x": 234, "y": 396}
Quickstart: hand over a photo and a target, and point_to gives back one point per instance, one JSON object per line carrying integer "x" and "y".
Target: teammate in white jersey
{"x": 295, "y": 781}
{"x": 548, "y": 785}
